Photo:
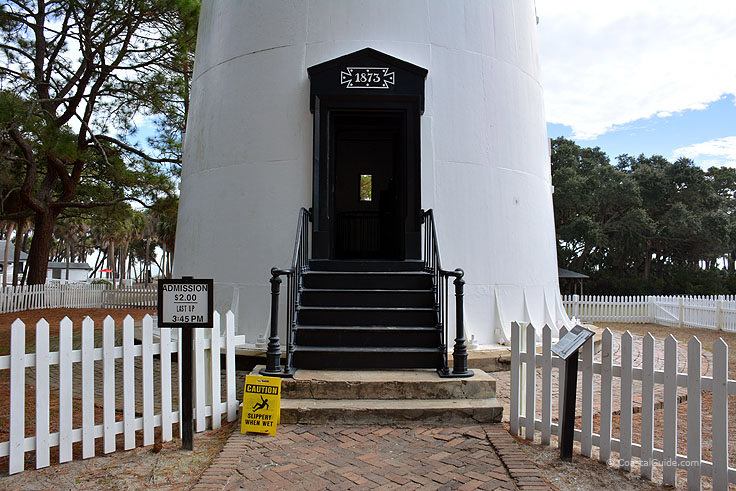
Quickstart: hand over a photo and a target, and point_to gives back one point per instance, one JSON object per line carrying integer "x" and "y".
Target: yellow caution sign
{"x": 261, "y": 404}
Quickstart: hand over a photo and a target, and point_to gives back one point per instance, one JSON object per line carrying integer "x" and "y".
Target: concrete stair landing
{"x": 387, "y": 397}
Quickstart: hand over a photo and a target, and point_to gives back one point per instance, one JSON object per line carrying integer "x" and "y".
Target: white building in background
{"x": 78, "y": 272}
{"x": 11, "y": 252}
{"x": 464, "y": 78}
{"x": 57, "y": 270}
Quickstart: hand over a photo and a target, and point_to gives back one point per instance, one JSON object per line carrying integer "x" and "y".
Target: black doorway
{"x": 369, "y": 185}
{"x": 367, "y": 160}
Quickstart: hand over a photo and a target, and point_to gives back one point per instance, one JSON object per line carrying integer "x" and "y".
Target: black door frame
{"x": 324, "y": 173}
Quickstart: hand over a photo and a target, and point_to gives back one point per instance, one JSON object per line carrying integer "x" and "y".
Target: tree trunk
{"x": 122, "y": 254}
{"x": 98, "y": 263}
{"x": 38, "y": 256}
{"x": 130, "y": 262}
{"x": 647, "y": 265}
{"x": 160, "y": 269}
{"x": 8, "y": 232}
{"x": 17, "y": 250}
{"x": 25, "y": 275}
{"x": 147, "y": 261}
{"x": 111, "y": 260}
{"x": 68, "y": 259}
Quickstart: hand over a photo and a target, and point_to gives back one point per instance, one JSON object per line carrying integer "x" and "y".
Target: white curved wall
{"x": 485, "y": 163}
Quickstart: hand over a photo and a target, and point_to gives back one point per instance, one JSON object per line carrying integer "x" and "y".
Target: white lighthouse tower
{"x": 368, "y": 113}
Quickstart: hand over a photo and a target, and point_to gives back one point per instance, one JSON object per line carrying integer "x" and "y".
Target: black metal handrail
{"x": 441, "y": 277}
{"x": 299, "y": 264}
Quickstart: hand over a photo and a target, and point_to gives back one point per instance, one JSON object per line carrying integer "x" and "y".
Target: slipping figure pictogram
{"x": 261, "y": 405}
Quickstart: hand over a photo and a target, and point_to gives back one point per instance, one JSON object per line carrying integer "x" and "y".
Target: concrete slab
{"x": 387, "y": 397}
{"x": 386, "y": 384}
{"x": 385, "y": 412}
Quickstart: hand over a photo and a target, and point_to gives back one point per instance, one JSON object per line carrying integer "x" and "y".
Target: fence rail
{"x": 524, "y": 410}
{"x": 708, "y": 312}
{"x": 59, "y": 367}
{"x": 75, "y": 295}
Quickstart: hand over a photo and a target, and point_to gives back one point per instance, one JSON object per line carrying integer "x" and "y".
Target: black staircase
{"x": 366, "y": 314}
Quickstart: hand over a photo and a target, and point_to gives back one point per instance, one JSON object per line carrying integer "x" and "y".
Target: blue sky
{"x": 665, "y": 135}
{"x": 651, "y": 77}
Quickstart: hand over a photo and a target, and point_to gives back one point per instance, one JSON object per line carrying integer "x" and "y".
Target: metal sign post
{"x": 186, "y": 304}
{"x": 568, "y": 348}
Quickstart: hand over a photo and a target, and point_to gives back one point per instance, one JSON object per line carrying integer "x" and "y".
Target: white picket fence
{"x": 524, "y": 411}
{"x": 132, "y": 297}
{"x": 75, "y": 296}
{"x": 207, "y": 376}
{"x": 708, "y": 312}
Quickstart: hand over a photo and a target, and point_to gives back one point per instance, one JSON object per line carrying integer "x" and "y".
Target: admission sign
{"x": 261, "y": 404}
{"x": 185, "y": 302}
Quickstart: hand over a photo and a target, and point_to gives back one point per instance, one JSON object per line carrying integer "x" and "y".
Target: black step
{"x": 325, "y": 357}
{"x": 345, "y": 297}
{"x": 367, "y": 316}
{"x": 362, "y": 336}
{"x": 375, "y": 266}
{"x": 383, "y": 280}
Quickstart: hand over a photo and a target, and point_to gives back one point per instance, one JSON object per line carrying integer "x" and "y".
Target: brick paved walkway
{"x": 370, "y": 457}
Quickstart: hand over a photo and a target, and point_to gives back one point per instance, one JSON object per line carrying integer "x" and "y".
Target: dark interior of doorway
{"x": 369, "y": 186}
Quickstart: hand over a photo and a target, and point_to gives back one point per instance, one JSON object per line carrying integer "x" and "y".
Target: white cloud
{"x": 606, "y": 64}
{"x": 718, "y": 152}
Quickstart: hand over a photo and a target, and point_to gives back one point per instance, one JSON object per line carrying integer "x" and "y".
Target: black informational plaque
{"x": 572, "y": 341}
{"x": 567, "y": 349}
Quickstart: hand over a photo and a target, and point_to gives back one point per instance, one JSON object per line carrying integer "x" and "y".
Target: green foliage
{"x": 101, "y": 282}
{"x": 644, "y": 225}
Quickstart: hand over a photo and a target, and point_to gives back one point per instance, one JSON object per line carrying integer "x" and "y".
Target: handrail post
{"x": 273, "y": 352}
{"x": 460, "y": 352}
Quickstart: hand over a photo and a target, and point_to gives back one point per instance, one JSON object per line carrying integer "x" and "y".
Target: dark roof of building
{"x": 11, "y": 251}
{"x": 62, "y": 265}
{"x": 566, "y": 273}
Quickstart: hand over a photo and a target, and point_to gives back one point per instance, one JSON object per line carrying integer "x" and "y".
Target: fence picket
{"x": 232, "y": 406}
{"x": 626, "y": 400}
{"x": 694, "y": 396}
{"x": 546, "y": 384}
{"x": 199, "y": 381}
{"x": 17, "y": 396}
{"x": 606, "y": 371}
{"x": 147, "y": 362}
{"x": 586, "y": 442}
{"x": 531, "y": 379}
{"x": 215, "y": 371}
{"x": 720, "y": 414}
{"x": 43, "y": 458}
{"x": 128, "y": 383}
{"x": 65, "y": 390}
{"x": 647, "y": 407}
{"x": 108, "y": 388}
{"x": 669, "y": 472}
{"x": 88, "y": 388}
{"x": 179, "y": 357}
{"x": 515, "y": 374}
{"x": 165, "y": 339}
